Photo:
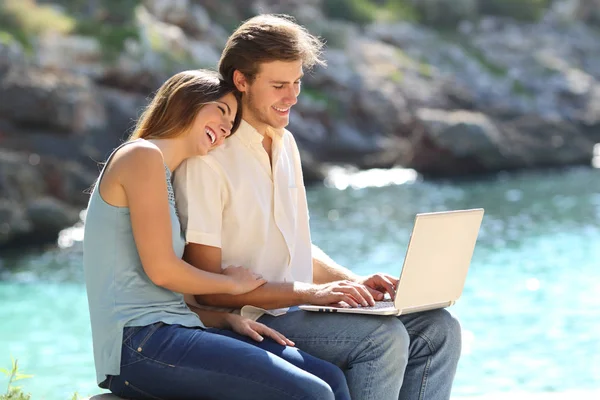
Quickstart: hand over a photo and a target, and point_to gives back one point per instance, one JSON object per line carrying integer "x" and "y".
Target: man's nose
{"x": 291, "y": 97}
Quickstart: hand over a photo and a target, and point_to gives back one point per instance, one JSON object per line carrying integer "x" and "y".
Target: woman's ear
{"x": 240, "y": 81}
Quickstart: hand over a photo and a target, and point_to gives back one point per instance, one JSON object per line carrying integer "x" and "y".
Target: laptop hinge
{"x": 427, "y": 307}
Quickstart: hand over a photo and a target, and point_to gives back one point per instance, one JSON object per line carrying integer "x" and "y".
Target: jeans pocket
{"x": 129, "y": 332}
{"x": 123, "y": 388}
{"x": 139, "y": 338}
{"x": 133, "y": 392}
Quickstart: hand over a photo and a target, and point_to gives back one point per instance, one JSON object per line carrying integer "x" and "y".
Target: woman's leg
{"x": 328, "y": 372}
{"x": 173, "y": 362}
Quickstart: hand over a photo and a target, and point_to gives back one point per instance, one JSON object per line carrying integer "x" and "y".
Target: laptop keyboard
{"x": 379, "y": 304}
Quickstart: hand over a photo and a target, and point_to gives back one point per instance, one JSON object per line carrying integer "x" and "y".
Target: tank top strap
{"x": 110, "y": 157}
{"x": 170, "y": 186}
{"x": 167, "y": 170}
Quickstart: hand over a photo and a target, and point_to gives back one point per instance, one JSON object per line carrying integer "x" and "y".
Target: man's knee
{"x": 393, "y": 335}
{"x": 398, "y": 333}
{"x": 449, "y": 324}
{"x": 444, "y": 331}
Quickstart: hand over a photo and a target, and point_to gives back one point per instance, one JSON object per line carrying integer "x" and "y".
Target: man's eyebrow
{"x": 284, "y": 82}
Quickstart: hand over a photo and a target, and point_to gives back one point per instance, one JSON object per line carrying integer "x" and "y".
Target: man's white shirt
{"x": 256, "y": 213}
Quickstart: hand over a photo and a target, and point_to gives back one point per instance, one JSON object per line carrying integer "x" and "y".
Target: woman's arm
{"x": 142, "y": 175}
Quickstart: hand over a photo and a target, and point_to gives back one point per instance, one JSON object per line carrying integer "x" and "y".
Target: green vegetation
{"x": 397, "y": 76}
{"x": 494, "y": 69}
{"x": 358, "y": 11}
{"x": 109, "y": 21}
{"x": 430, "y": 12}
{"x": 6, "y": 38}
{"x": 319, "y": 96}
{"x": 421, "y": 66}
{"x": 25, "y": 19}
{"x": 15, "y": 392}
{"x": 519, "y": 89}
{"x": 364, "y": 12}
{"x": 112, "y": 22}
{"x": 425, "y": 69}
{"x": 523, "y": 10}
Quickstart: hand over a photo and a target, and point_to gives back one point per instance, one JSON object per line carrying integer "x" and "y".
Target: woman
{"x": 147, "y": 343}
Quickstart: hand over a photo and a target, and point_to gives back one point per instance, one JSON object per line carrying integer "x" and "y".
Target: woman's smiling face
{"x": 213, "y": 123}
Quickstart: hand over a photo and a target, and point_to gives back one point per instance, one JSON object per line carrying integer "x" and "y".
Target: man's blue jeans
{"x": 411, "y": 357}
{"x": 162, "y": 361}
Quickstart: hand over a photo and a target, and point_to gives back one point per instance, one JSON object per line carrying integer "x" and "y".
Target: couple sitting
{"x": 149, "y": 279}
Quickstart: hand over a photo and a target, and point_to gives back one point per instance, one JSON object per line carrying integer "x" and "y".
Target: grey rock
{"x": 63, "y": 102}
{"x": 49, "y": 215}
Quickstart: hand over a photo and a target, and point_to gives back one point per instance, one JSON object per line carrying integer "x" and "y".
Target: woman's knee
{"x": 316, "y": 389}
{"x": 335, "y": 378}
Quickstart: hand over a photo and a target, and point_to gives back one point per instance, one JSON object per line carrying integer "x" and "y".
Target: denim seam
{"x": 424, "y": 381}
{"x": 136, "y": 389}
{"x": 215, "y": 371}
{"x": 133, "y": 362}
{"x": 153, "y": 330}
{"x": 371, "y": 374}
{"x": 427, "y": 364}
{"x": 132, "y": 331}
{"x": 425, "y": 338}
{"x": 266, "y": 383}
{"x": 146, "y": 357}
{"x": 322, "y": 339}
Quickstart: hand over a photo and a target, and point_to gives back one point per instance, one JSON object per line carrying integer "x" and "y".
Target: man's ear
{"x": 240, "y": 81}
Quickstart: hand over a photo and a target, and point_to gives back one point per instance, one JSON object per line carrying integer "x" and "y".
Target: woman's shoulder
{"x": 140, "y": 155}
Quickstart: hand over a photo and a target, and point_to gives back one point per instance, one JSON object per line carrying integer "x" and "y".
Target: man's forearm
{"x": 326, "y": 270}
{"x": 269, "y": 296}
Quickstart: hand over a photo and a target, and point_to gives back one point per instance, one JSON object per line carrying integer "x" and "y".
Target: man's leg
{"x": 371, "y": 350}
{"x": 435, "y": 345}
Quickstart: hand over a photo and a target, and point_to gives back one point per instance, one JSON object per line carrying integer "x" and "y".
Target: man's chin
{"x": 280, "y": 123}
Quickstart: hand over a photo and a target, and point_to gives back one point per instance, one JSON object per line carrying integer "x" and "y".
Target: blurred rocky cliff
{"x": 447, "y": 87}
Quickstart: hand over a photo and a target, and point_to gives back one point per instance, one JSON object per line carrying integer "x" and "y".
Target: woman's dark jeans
{"x": 166, "y": 362}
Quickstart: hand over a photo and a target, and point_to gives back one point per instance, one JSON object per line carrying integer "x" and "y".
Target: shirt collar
{"x": 248, "y": 134}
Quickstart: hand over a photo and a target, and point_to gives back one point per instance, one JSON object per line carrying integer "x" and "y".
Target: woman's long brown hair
{"x": 175, "y": 105}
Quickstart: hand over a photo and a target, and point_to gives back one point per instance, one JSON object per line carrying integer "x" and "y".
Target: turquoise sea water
{"x": 530, "y": 310}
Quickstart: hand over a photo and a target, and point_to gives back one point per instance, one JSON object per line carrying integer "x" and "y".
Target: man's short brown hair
{"x": 266, "y": 38}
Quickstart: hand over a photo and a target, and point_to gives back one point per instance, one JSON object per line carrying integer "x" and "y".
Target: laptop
{"x": 435, "y": 266}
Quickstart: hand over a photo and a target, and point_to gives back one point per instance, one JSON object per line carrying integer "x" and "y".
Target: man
{"x": 245, "y": 204}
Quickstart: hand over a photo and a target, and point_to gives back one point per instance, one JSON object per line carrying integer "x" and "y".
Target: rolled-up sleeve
{"x": 200, "y": 199}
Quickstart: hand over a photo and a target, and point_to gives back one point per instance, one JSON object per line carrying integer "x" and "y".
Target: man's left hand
{"x": 379, "y": 284}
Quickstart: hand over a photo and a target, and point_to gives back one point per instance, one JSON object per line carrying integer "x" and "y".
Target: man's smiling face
{"x": 269, "y": 97}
